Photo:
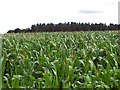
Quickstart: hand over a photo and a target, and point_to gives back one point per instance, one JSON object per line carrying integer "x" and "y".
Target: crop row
{"x": 61, "y": 60}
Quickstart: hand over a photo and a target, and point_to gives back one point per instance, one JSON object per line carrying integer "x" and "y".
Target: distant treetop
{"x": 67, "y": 27}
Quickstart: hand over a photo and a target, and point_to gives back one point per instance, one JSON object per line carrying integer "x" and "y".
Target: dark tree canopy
{"x": 69, "y": 27}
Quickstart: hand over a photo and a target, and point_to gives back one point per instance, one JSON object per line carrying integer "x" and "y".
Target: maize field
{"x": 61, "y": 60}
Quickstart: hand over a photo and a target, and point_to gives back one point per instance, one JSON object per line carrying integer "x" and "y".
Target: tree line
{"x": 66, "y": 27}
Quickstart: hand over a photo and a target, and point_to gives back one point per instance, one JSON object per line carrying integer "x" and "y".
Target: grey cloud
{"x": 90, "y": 11}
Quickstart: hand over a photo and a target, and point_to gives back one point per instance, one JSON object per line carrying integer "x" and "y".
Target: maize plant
{"x": 0, "y": 61}
{"x": 61, "y": 60}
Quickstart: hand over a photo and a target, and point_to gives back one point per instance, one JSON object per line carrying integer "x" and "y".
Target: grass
{"x": 61, "y": 60}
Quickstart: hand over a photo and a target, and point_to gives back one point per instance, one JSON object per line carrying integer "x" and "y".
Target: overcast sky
{"x": 23, "y": 13}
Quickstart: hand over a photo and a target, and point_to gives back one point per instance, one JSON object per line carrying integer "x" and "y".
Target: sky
{"x": 24, "y": 13}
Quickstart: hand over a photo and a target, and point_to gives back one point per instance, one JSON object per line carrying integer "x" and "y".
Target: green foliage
{"x": 61, "y": 60}
{"x": 0, "y": 62}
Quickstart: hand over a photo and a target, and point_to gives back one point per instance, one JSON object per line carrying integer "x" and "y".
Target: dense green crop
{"x": 61, "y": 60}
{"x": 0, "y": 61}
